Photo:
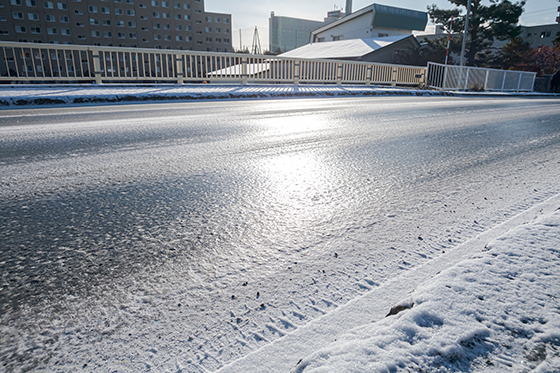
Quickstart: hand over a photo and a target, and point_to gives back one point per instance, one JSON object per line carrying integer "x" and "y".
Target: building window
{"x": 188, "y": 38}
{"x": 188, "y": 28}
{"x": 155, "y": 14}
{"x": 339, "y": 37}
{"x": 208, "y": 19}
{"x": 187, "y": 17}
{"x": 129, "y": 1}
{"x": 198, "y": 11}
{"x": 35, "y": 30}
{"x": 48, "y": 5}
{"x": 17, "y": 15}
{"x": 52, "y": 31}
{"x": 96, "y": 34}
{"x": 187, "y": 6}
{"x": 144, "y": 29}
{"x": 208, "y": 29}
{"x": 198, "y": 22}
{"x": 226, "y": 31}
{"x": 165, "y": 4}
{"x": 208, "y": 40}
{"x": 92, "y": 9}
{"x": 143, "y": 6}
{"x": 120, "y": 23}
{"x": 157, "y": 26}
{"x": 132, "y": 35}
{"x": 178, "y": 16}
{"x": 226, "y": 20}
{"x": 64, "y": 19}
{"x": 2, "y": 19}
{"x": 118, "y": 11}
{"x": 62, "y": 6}
{"x": 167, "y": 26}
{"x": 93, "y": 21}
{"x": 218, "y": 30}
{"x": 81, "y": 37}
{"x": 226, "y": 41}
{"x": 199, "y": 32}
{"x": 178, "y": 38}
{"x": 155, "y": 3}
{"x": 177, "y": 5}
{"x": 108, "y": 34}
{"x": 15, "y": 2}
{"x": 79, "y": 24}
{"x": 31, "y": 3}
{"x": 121, "y": 35}
{"x": 157, "y": 37}
{"x": 143, "y": 18}
{"x": 65, "y": 31}
{"x": 78, "y": 12}
{"x": 199, "y": 43}
{"x": 130, "y": 12}
{"x": 131, "y": 23}
{"x": 106, "y": 22}
{"x": 166, "y": 15}
{"x": 49, "y": 18}
{"x": 178, "y": 27}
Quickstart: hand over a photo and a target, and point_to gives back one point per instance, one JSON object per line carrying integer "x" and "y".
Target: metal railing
{"x": 28, "y": 62}
{"x": 451, "y": 77}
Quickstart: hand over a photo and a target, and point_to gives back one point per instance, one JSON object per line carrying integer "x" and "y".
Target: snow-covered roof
{"x": 352, "y": 48}
{"x": 385, "y": 16}
{"x": 252, "y": 69}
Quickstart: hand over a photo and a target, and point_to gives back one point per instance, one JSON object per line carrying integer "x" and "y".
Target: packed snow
{"x": 498, "y": 310}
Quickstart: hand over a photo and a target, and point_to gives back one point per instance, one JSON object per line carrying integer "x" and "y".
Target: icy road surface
{"x": 184, "y": 236}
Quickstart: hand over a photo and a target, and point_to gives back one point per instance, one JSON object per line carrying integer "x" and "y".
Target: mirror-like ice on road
{"x": 186, "y": 235}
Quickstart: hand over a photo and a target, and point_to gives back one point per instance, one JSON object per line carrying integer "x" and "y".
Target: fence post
{"x": 519, "y": 82}
{"x": 339, "y": 73}
{"x": 467, "y": 78}
{"x": 444, "y": 77}
{"x": 369, "y": 75}
{"x": 504, "y": 81}
{"x": 486, "y": 80}
{"x": 244, "y": 76}
{"x": 180, "y": 69}
{"x": 394, "y": 81}
{"x": 297, "y": 71}
{"x": 96, "y": 66}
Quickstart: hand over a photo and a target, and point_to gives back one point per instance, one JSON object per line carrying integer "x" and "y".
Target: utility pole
{"x": 464, "y": 47}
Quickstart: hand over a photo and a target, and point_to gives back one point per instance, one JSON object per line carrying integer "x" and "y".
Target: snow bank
{"x": 497, "y": 311}
{"x": 29, "y": 95}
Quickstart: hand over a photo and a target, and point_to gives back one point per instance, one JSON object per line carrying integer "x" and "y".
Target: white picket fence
{"x": 28, "y": 62}
{"x": 451, "y": 77}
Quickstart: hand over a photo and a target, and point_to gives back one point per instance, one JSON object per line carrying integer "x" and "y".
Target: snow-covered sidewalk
{"x": 490, "y": 305}
{"x": 26, "y": 95}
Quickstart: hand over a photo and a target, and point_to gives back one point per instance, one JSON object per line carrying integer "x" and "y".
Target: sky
{"x": 247, "y": 14}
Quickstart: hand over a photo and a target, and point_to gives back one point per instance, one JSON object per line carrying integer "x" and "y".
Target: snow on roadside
{"x": 31, "y": 95}
{"x": 496, "y": 311}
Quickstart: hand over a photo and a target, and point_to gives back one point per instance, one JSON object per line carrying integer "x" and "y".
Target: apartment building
{"x": 178, "y": 24}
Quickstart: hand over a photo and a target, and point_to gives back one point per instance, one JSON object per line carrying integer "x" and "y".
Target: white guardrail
{"x": 451, "y": 77}
{"x": 28, "y": 62}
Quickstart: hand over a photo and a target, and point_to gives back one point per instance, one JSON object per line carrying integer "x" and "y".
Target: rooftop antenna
{"x": 256, "y": 49}
{"x": 240, "y": 41}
